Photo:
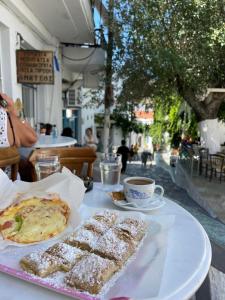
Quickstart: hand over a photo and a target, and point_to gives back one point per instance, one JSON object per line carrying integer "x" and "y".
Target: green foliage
{"x": 156, "y": 132}
{"x": 193, "y": 127}
{"x": 171, "y": 46}
{"x": 99, "y": 119}
{"x": 167, "y": 118}
{"x": 126, "y": 123}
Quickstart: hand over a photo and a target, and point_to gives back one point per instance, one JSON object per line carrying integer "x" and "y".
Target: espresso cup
{"x": 139, "y": 191}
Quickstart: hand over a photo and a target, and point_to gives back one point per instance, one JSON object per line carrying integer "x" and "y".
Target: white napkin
{"x": 68, "y": 186}
{"x": 7, "y": 190}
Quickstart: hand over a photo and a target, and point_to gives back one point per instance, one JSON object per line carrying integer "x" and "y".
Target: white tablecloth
{"x": 186, "y": 263}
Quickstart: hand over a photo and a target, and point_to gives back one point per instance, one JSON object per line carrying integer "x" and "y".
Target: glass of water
{"x": 110, "y": 167}
{"x": 46, "y": 165}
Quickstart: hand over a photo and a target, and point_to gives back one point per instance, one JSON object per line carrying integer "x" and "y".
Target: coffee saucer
{"x": 157, "y": 202}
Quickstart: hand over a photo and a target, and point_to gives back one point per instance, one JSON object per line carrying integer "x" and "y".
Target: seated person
{"x": 13, "y": 130}
{"x": 42, "y": 129}
{"x": 90, "y": 140}
{"x": 67, "y": 131}
{"x": 48, "y": 127}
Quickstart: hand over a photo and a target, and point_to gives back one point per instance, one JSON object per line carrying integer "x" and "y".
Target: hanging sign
{"x": 35, "y": 67}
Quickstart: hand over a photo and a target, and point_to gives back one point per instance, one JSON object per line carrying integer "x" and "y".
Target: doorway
{"x": 71, "y": 118}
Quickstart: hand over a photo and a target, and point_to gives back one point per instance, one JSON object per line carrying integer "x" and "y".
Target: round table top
{"x": 187, "y": 256}
{"x": 47, "y": 141}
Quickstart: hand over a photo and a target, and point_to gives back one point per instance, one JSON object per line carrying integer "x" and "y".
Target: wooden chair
{"x": 10, "y": 157}
{"x": 73, "y": 158}
{"x": 216, "y": 166}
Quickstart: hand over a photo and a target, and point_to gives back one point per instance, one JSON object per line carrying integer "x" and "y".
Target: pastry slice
{"x": 40, "y": 263}
{"x": 83, "y": 238}
{"x": 96, "y": 226}
{"x": 136, "y": 229}
{"x": 115, "y": 245}
{"x": 90, "y": 273}
{"x": 106, "y": 216}
{"x": 68, "y": 254}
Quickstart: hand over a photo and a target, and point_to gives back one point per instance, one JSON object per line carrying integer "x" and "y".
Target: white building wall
{"x": 49, "y": 103}
{"x": 212, "y": 134}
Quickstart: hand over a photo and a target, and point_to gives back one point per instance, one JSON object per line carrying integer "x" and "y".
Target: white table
{"x": 47, "y": 141}
{"x": 187, "y": 261}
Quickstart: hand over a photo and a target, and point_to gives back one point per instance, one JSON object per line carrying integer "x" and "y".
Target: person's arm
{"x": 24, "y": 133}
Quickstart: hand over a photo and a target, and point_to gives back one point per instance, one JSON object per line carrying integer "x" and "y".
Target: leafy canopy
{"x": 171, "y": 46}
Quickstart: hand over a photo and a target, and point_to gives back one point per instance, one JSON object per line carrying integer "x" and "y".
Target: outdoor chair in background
{"x": 221, "y": 154}
{"x": 9, "y": 160}
{"x": 203, "y": 160}
{"x": 216, "y": 166}
{"x": 73, "y": 158}
{"x": 188, "y": 156}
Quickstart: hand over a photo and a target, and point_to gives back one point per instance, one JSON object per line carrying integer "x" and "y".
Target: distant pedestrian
{"x": 124, "y": 151}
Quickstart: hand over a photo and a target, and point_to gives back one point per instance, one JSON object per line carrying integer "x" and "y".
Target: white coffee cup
{"x": 139, "y": 191}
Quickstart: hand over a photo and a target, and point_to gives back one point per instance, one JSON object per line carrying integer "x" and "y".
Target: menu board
{"x": 35, "y": 67}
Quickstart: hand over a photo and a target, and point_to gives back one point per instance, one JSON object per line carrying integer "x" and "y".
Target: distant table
{"x": 47, "y": 141}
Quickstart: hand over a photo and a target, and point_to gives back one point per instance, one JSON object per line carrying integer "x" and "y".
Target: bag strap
{"x": 11, "y": 125}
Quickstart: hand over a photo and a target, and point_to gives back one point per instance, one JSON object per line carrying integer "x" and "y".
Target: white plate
{"x": 157, "y": 203}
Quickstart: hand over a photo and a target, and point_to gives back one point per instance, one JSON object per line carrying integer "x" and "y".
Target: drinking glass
{"x": 110, "y": 167}
{"x": 46, "y": 165}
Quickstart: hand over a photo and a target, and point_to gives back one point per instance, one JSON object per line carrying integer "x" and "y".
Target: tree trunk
{"x": 106, "y": 130}
{"x": 204, "y": 108}
{"x": 208, "y": 107}
{"x": 108, "y": 99}
{"x": 212, "y": 131}
{"x": 212, "y": 134}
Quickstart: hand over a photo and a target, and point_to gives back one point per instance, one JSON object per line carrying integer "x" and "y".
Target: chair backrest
{"x": 196, "y": 149}
{"x": 73, "y": 158}
{"x": 204, "y": 153}
{"x": 10, "y": 157}
{"x": 216, "y": 162}
{"x": 221, "y": 154}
